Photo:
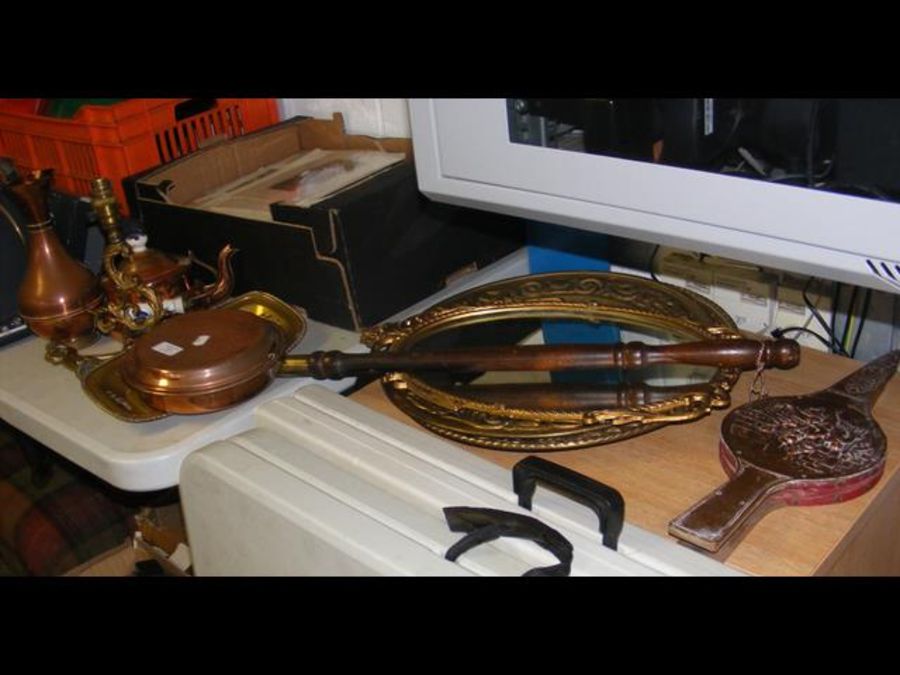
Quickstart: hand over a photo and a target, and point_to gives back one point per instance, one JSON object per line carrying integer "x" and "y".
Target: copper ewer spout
{"x": 57, "y": 294}
{"x": 32, "y": 194}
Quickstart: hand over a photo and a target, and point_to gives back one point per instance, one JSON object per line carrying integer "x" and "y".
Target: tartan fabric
{"x": 51, "y": 528}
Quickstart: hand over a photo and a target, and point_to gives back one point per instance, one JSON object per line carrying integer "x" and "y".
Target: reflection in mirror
{"x": 840, "y": 145}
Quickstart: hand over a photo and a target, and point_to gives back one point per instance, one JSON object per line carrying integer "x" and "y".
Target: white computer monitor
{"x": 464, "y": 155}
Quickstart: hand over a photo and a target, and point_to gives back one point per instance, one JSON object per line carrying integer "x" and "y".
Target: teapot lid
{"x": 151, "y": 265}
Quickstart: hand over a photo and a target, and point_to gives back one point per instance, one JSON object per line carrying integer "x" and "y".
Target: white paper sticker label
{"x": 167, "y": 348}
{"x": 174, "y": 305}
{"x": 200, "y": 341}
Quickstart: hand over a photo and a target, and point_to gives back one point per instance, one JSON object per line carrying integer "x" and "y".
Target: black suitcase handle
{"x": 484, "y": 525}
{"x": 606, "y": 501}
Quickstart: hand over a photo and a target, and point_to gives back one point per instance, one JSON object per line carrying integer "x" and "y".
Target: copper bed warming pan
{"x": 207, "y": 360}
{"x": 102, "y": 377}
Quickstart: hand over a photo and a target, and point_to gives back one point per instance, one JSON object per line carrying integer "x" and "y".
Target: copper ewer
{"x": 58, "y": 294}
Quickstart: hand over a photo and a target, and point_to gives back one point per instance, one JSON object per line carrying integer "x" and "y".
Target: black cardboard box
{"x": 352, "y": 260}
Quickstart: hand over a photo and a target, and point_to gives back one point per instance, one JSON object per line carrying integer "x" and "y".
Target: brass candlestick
{"x": 58, "y": 294}
{"x": 132, "y": 305}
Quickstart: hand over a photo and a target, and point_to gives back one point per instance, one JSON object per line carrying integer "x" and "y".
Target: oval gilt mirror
{"x": 559, "y": 411}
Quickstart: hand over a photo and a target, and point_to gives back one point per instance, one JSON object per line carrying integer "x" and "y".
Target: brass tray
{"x": 586, "y": 296}
{"x": 101, "y": 377}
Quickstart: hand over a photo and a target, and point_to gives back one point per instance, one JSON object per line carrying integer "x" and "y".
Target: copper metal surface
{"x": 167, "y": 274}
{"x": 167, "y": 380}
{"x": 210, "y": 294}
{"x": 815, "y": 449}
{"x": 151, "y": 267}
{"x": 57, "y": 294}
{"x": 202, "y": 352}
{"x": 121, "y": 316}
{"x": 138, "y": 280}
{"x": 31, "y": 192}
{"x": 103, "y": 382}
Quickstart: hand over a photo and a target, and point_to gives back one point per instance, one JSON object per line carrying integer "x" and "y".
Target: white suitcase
{"x": 325, "y": 486}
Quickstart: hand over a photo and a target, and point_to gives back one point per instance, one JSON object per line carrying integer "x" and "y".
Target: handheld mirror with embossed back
{"x": 818, "y": 448}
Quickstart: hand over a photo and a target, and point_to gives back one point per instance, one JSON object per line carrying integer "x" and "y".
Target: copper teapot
{"x": 169, "y": 275}
{"x": 166, "y": 274}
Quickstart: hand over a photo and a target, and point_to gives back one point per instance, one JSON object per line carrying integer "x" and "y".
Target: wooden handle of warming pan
{"x": 744, "y": 354}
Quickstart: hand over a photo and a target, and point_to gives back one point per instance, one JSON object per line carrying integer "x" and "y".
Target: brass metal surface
{"x": 106, "y": 207}
{"x": 122, "y": 312}
{"x": 121, "y": 315}
{"x": 138, "y": 280}
{"x": 290, "y": 320}
{"x": 587, "y": 296}
{"x": 103, "y": 381}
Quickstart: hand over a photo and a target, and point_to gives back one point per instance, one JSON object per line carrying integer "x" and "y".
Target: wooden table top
{"x": 662, "y": 473}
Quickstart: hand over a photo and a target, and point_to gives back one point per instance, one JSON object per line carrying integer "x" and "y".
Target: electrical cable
{"x": 737, "y": 169}
{"x": 835, "y": 298}
{"x": 779, "y": 332}
{"x": 652, "y": 260}
{"x": 850, "y": 319}
{"x": 862, "y": 320}
{"x": 835, "y": 346}
{"x": 727, "y": 145}
{"x": 803, "y": 176}
{"x": 854, "y": 190}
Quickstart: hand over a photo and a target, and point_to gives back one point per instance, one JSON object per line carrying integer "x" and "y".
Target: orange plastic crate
{"x": 123, "y": 139}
